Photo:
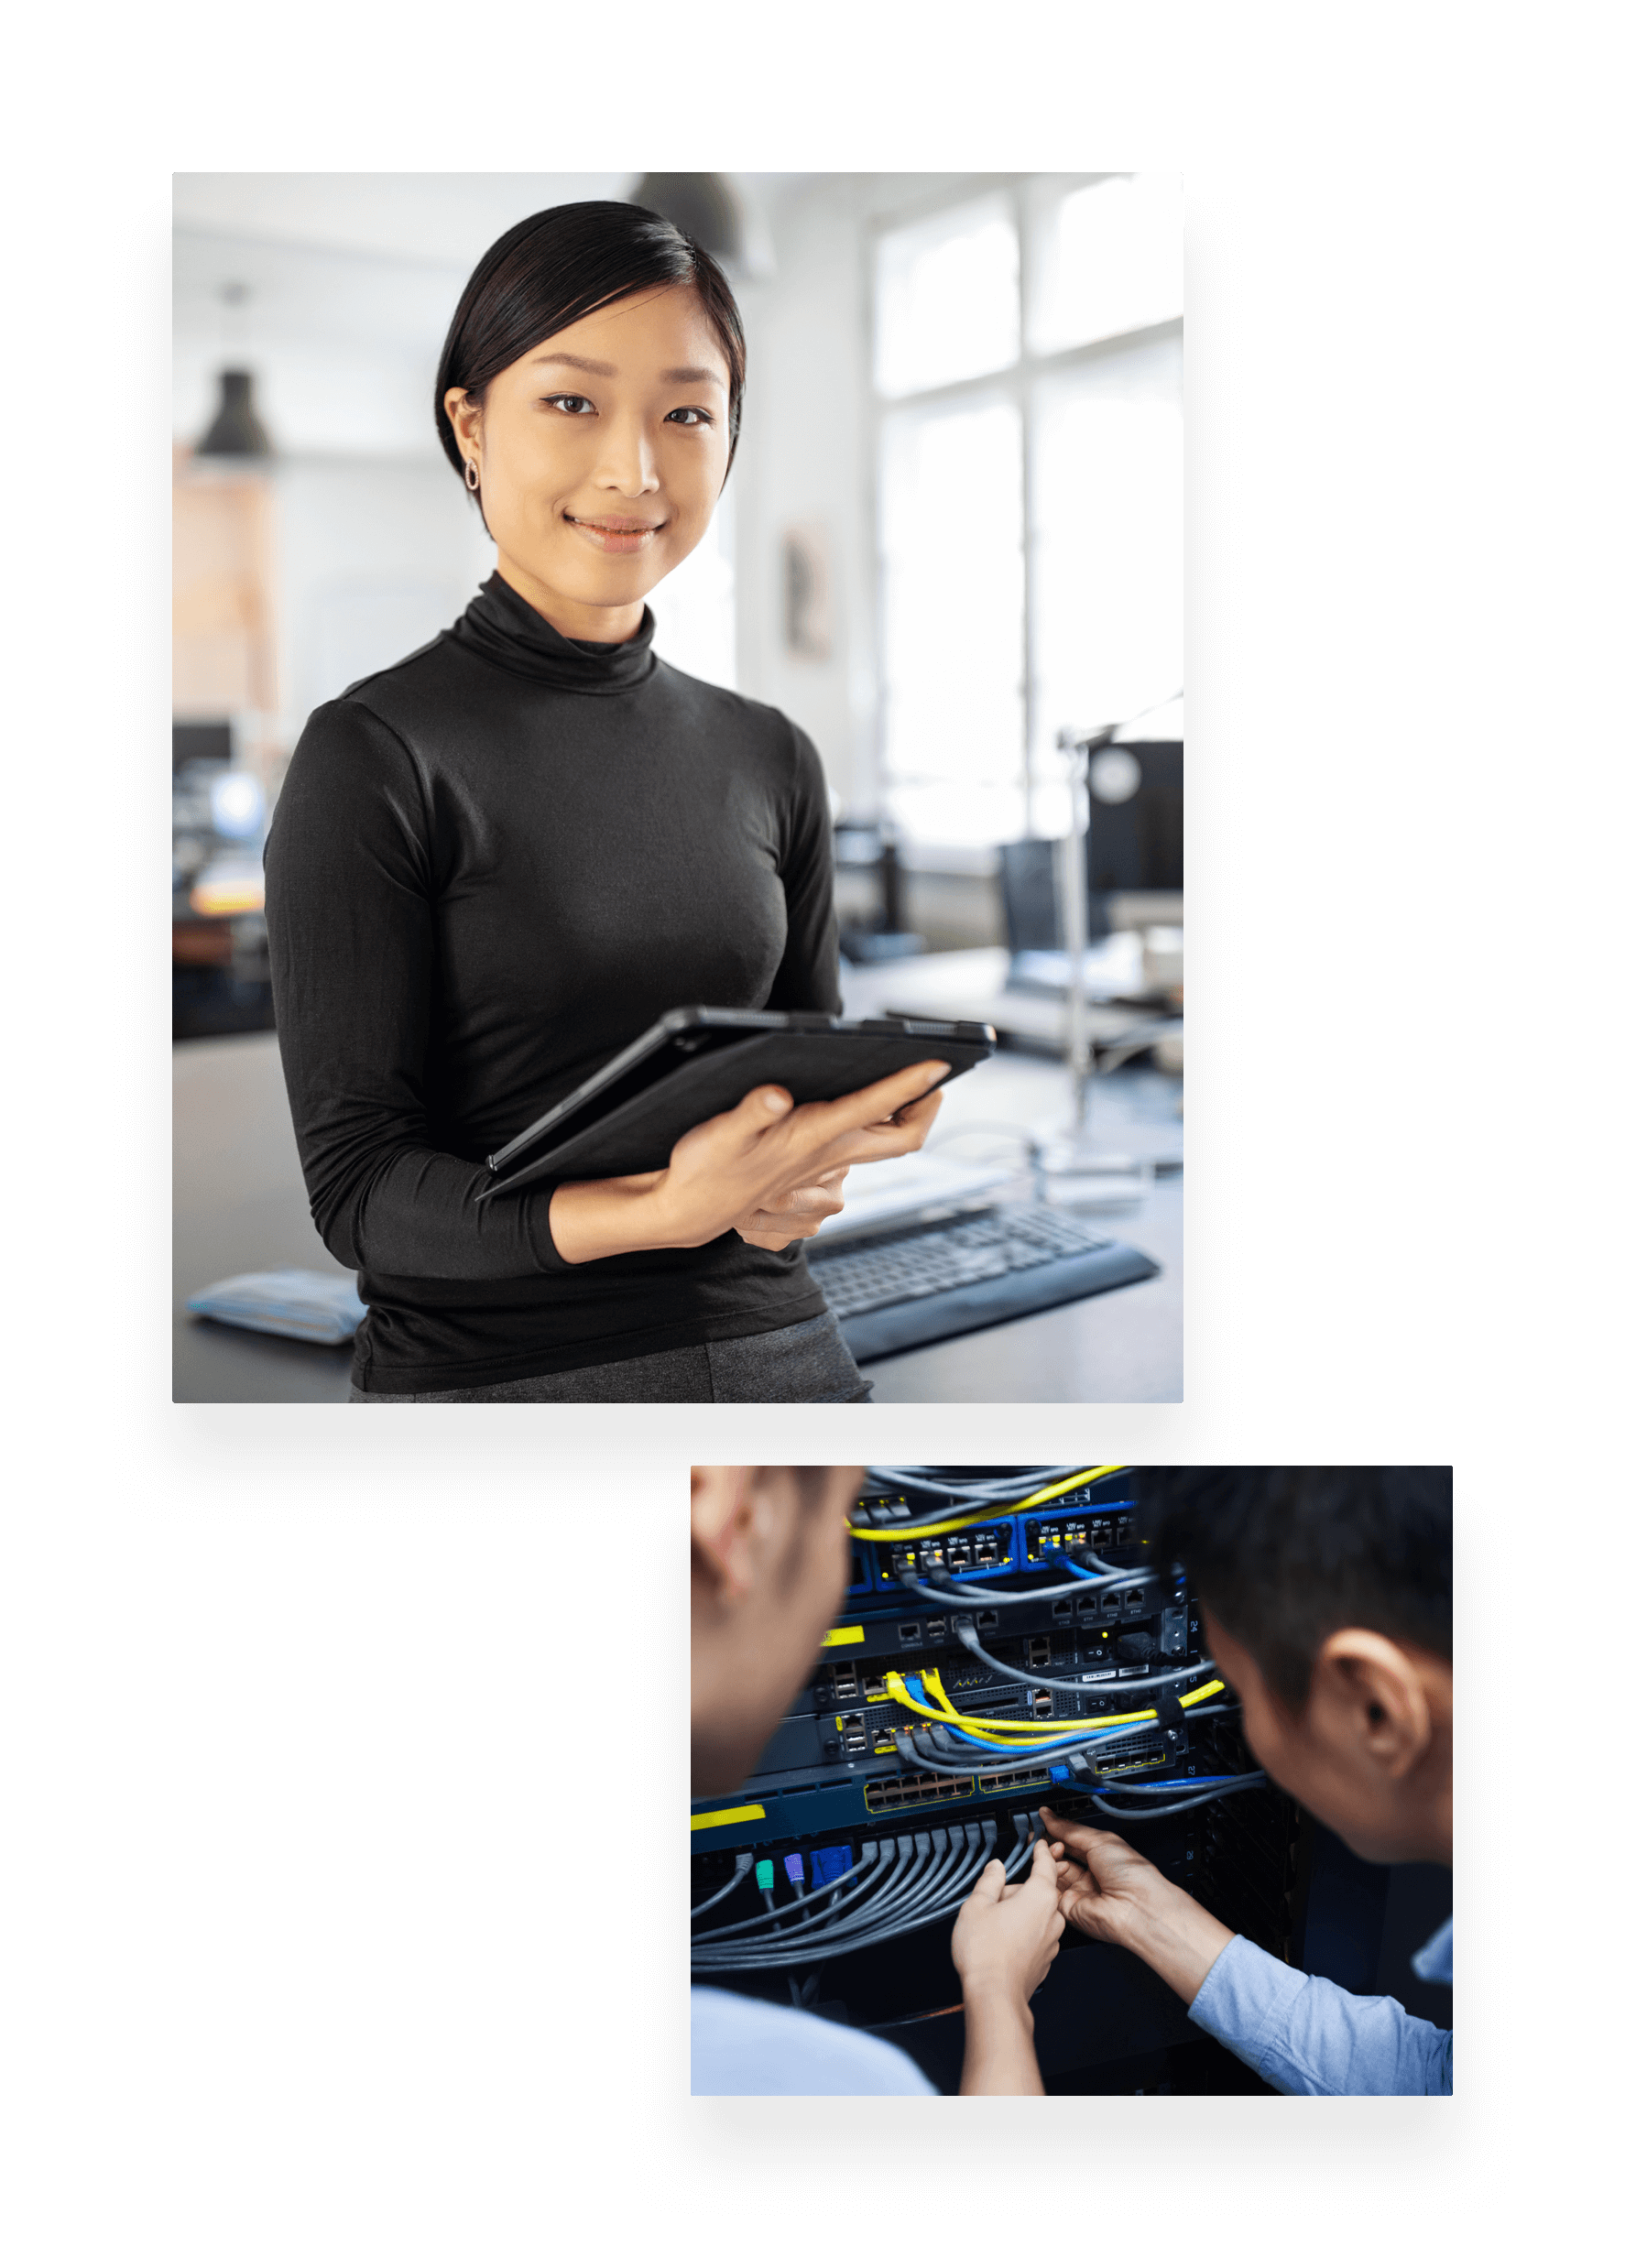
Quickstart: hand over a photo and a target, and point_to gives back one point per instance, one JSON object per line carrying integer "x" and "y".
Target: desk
{"x": 1125, "y": 1345}
{"x": 240, "y": 1205}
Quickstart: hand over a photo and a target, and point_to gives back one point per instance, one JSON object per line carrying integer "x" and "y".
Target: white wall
{"x": 807, "y": 456}
{"x": 353, "y": 279}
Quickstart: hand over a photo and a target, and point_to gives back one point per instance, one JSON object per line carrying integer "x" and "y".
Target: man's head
{"x": 1326, "y": 1604}
{"x": 768, "y": 1568}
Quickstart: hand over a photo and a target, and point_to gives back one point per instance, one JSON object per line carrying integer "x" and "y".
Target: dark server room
{"x": 1070, "y": 1779}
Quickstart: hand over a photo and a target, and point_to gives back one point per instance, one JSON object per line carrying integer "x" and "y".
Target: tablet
{"x": 698, "y": 1061}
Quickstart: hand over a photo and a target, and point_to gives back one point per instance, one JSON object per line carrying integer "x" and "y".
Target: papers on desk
{"x": 290, "y": 1303}
{"x": 891, "y": 1192}
{"x": 1124, "y": 967}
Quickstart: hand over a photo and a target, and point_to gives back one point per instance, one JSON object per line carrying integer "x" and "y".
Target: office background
{"x": 952, "y": 533}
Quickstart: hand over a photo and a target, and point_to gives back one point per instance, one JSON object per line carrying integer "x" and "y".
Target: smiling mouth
{"x": 617, "y": 535}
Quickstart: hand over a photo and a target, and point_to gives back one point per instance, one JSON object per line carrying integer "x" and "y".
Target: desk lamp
{"x": 1072, "y": 1155}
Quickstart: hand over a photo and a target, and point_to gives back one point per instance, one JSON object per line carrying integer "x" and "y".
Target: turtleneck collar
{"x": 508, "y": 631}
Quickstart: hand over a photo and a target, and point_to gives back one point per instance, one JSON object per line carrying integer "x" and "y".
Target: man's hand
{"x": 1103, "y": 1885}
{"x": 1007, "y": 1933}
{"x": 1106, "y": 1889}
{"x": 792, "y": 1213}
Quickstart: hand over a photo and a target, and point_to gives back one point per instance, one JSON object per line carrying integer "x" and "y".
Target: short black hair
{"x": 811, "y": 1484}
{"x": 1285, "y": 1554}
{"x": 549, "y": 271}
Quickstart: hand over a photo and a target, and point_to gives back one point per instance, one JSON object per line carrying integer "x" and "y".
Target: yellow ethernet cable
{"x": 1018, "y": 1733}
{"x": 990, "y": 1512}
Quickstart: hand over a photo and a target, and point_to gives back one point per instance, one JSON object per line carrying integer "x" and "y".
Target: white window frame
{"x": 1016, "y": 383}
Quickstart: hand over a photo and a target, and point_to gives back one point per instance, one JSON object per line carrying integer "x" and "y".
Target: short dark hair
{"x": 549, "y": 271}
{"x": 812, "y": 1483}
{"x": 1285, "y": 1554}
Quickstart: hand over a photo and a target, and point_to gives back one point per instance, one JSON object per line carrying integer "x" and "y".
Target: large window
{"x": 1027, "y": 378}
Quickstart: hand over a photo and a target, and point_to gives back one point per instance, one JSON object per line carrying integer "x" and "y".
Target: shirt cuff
{"x": 1244, "y": 1999}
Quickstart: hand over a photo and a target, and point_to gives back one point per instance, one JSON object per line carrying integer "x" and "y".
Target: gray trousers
{"x": 803, "y": 1362}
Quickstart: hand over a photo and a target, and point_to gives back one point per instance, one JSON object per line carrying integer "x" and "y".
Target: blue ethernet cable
{"x": 1038, "y": 1748}
{"x": 1232, "y": 1784}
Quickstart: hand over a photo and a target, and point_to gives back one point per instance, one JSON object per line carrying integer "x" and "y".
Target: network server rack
{"x": 870, "y": 1795}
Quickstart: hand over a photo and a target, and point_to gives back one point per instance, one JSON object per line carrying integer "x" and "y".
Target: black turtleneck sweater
{"x": 491, "y": 868}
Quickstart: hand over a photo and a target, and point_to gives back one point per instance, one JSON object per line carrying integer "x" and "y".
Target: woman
{"x": 495, "y": 865}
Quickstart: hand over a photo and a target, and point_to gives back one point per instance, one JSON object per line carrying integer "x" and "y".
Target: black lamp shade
{"x": 236, "y": 430}
{"x": 701, "y": 205}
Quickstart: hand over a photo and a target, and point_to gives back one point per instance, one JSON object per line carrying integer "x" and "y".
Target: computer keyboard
{"x": 900, "y": 1287}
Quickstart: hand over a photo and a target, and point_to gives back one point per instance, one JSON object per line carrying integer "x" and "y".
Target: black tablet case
{"x": 696, "y": 1062}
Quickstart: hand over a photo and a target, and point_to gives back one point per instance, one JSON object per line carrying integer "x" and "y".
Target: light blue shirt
{"x": 739, "y": 2046}
{"x": 1308, "y": 2037}
{"x": 1304, "y": 2036}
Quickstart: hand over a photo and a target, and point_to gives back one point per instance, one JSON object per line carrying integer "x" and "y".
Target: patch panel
{"x": 917, "y": 1791}
{"x": 967, "y": 1555}
{"x": 1004, "y": 1783}
{"x": 1110, "y": 1529}
{"x": 836, "y": 1764}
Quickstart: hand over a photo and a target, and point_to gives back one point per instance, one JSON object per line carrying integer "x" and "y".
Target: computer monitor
{"x": 196, "y": 741}
{"x": 1136, "y": 848}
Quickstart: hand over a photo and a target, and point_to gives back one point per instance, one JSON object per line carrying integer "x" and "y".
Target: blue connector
{"x": 835, "y": 1859}
{"x": 793, "y": 1869}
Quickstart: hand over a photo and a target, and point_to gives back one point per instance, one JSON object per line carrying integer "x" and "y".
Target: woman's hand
{"x": 792, "y": 1213}
{"x": 743, "y": 1161}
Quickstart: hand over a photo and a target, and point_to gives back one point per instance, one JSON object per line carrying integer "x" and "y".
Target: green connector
{"x": 764, "y": 1874}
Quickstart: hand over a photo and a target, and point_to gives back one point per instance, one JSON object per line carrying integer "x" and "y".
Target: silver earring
{"x": 471, "y": 474}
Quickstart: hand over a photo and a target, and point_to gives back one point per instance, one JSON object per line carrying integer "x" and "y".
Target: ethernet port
{"x": 902, "y": 1560}
{"x": 958, "y": 1557}
{"x": 1038, "y": 1653}
{"x": 1126, "y": 1528}
{"x": 1043, "y": 1702}
{"x": 908, "y": 1634}
{"x": 987, "y": 1620}
{"x": 874, "y": 1689}
{"x": 987, "y": 1552}
{"x": 1134, "y": 1600}
{"x": 1087, "y": 1608}
{"x": 1062, "y": 1610}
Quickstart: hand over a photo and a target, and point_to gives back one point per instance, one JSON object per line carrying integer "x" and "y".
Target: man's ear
{"x": 722, "y": 1527}
{"x": 1371, "y": 1679}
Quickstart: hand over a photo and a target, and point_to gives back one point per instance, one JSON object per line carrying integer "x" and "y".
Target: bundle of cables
{"x": 908, "y": 1881}
{"x": 898, "y": 1883}
{"x": 965, "y": 1743}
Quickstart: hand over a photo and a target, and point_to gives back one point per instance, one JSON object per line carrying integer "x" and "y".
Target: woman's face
{"x": 601, "y": 456}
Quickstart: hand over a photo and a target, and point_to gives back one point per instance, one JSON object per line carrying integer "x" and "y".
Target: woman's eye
{"x": 558, "y": 400}
{"x": 696, "y": 417}
{"x": 572, "y": 405}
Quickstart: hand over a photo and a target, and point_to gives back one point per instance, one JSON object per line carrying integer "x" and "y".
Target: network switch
{"x": 985, "y": 1664}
